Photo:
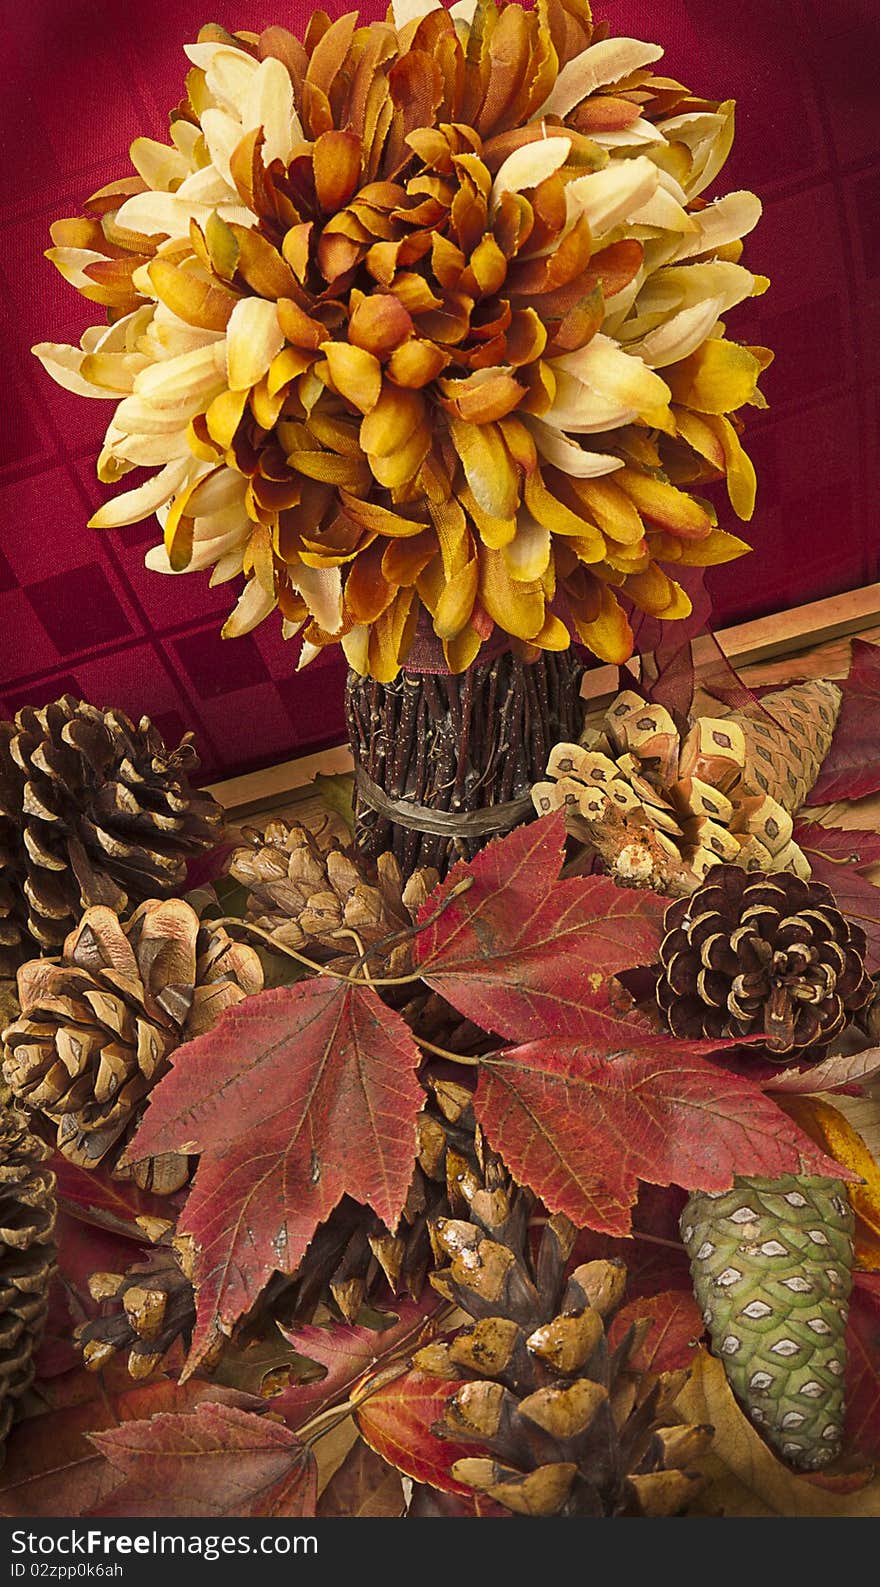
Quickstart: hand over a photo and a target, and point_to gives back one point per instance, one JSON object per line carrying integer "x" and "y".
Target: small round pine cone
{"x": 93, "y": 810}
{"x": 309, "y": 892}
{"x": 761, "y": 955}
{"x": 97, "y": 1029}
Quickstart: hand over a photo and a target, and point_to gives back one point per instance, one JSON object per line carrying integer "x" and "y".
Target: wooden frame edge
{"x": 781, "y": 633}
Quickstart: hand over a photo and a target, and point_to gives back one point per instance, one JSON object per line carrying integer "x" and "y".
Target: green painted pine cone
{"x": 771, "y": 1262}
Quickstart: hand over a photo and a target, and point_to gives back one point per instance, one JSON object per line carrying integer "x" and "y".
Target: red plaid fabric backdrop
{"x": 79, "y": 612}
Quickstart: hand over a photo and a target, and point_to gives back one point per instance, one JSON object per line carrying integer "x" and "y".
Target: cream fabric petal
{"x": 602, "y": 63}
{"x": 220, "y": 489}
{"x": 527, "y": 555}
{"x": 63, "y": 363}
{"x": 666, "y": 212}
{"x": 252, "y": 606}
{"x": 641, "y": 132}
{"x": 133, "y": 505}
{"x": 150, "y": 451}
{"x": 677, "y": 337}
{"x": 71, "y": 264}
{"x": 228, "y": 566}
{"x": 253, "y": 337}
{"x": 153, "y": 213}
{"x": 321, "y": 589}
{"x": 231, "y": 520}
{"x": 190, "y": 379}
{"x": 229, "y": 76}
{"x": 609, "y": 196}
{"x": 568, "y": 456}
{"x": 223, "y": 134}
{"x": 269, "y": 104}
{"x": 405, "y": 11}
{"x": 308, "y": 653}
{"x": 184, "y": 135}
{"x": 207, "y": 186}
{"x": 134, "y": 416}
{"x": 614, "y": 374}
{"x": 530, "y": 164}
{"x": 725, "y": 221}
{"x": 158, "y": 163}
{"x": 683, "y": 286}
{"x": 356, "y": 647}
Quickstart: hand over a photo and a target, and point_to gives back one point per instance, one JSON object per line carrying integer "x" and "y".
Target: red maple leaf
{"x": 837, "y": 858}
{"x": 675, "y": 1329}
{"x": 852, "y": 766}
{"x": 346, "y": 1353}
{"x": 295, "y": 1098}
{"x": 397, "y": 1421}
{"x": 522, "y": 953}
{"x": 863, "y": 1367}
{"x": 581, "y": 1128}
{"x": 53, "y": 1467}
{"x": 216, "y": 1460}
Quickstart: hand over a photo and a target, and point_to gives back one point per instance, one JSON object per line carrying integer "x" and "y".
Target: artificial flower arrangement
{"x": 420, "y": 328}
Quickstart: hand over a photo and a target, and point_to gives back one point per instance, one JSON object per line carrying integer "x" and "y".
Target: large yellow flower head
{"x": 425, "y": 315}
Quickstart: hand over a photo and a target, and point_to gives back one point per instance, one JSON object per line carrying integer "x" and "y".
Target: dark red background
{"x": 77, "y": 609}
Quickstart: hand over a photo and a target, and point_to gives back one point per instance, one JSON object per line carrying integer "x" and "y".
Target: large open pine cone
{"x": 97, "y": 1029}
{"x": 27, "y": 1256}
{"x": 569, "y": 1427}
{"x": 311, "y": 893}
{"x": 93, "y": 810}
{"x": 761, "y": 955}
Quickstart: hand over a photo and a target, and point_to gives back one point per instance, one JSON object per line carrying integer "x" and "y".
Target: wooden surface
{"x": 810, "y": 641}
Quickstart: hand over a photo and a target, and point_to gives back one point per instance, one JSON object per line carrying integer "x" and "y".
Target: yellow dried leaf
{"x": 825, "y": 1122}
{"x": 743, "y": 1476}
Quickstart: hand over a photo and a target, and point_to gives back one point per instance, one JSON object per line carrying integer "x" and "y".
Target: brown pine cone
{"x": 93, "y": 810}
{"x": 768, "y": 955}
{"x": 152, "y": 1307}
{"x": 353, "y": 1255}
{"x": 97, "y": 1029}
{"x": 27, "y": 1256}
{"x": 313, "y": 894}
{"x": 568, "y": 1427}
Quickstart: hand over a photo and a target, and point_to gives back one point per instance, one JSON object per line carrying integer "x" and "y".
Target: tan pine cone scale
{"x": 97, "y": 1029}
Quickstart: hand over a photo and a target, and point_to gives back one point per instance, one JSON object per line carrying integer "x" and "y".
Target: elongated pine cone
{"x": 662, "y": 810}
{"x": 769, "y": 955}
{"x": 27, "y": 1255}
{"x": 93, "y": 810}
{"x": 771, "y": 1262}
{"x": 569, "y": 1428}
{"x": 312, "y": 893}
{"x": 96, "y": 1030}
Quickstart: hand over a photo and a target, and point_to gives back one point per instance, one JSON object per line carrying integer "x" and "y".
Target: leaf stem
{"x": 444, "y": 1052}
{"x": 234, "y": 921}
